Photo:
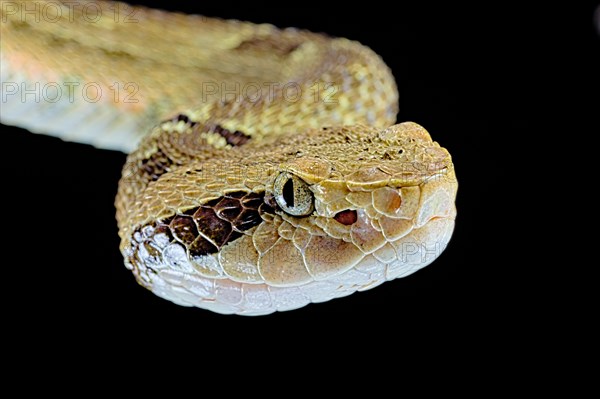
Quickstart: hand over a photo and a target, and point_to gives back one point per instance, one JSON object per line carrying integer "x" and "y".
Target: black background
{"x": 466, "y": 73}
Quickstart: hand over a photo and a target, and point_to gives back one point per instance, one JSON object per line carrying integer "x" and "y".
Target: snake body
{"x": 275, "y": 178}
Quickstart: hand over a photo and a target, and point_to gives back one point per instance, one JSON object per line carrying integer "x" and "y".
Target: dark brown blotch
{"x": 184, "y": 229}
{"x": 229, "y": 214}
{"x": 156, "y": 165}
{"x": 212, "y": 226}
{"x": 202, "y": 246}
{"x": 228, "y": 208}
{"x": 280, "y": 46}
{"x": 182, "y": 118}
{"x": 265, "y": 208}
{"x": 235, "y": 138}
{"x": 206, "y": 229}
{"x": 163, "y": 229}
{"x": 247, "y": 219}
{"x": 252, "y": 201}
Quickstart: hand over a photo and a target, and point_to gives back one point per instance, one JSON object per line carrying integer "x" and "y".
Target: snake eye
{"x": 293, "y": 195}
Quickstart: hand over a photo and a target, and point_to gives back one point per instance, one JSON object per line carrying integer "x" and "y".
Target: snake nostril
{"x": 347, "y": 217}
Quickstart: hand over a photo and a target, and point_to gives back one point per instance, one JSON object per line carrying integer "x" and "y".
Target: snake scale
{"x": 265, "y": 171}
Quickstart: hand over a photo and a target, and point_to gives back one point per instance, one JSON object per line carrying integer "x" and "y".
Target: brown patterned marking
{"x": 269, "y": 45}
{"x": 201, "y": 246}
{"x": 232, "y": 138}
{"x": 252, "y": 201}
{"x": 207, "y": 228}
{"x": 184, "y": 229}
{"x": 184, "y": 118}
{"x": 180, "y": 118}
{"x": 212, "y": 227}
{"x": 247, "y": 219}
{"x": 228, "y": 208}
{"x": 265, "y": 208}
{"x": 241, "y": 211}
{"x": 163, "y": 229}
{"x": 156, "y": 165}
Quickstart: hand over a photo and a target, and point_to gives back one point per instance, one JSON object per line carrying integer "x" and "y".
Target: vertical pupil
{"x": 288, "y": 193}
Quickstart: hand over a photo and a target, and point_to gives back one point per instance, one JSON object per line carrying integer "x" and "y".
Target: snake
{"x": 266, "y": 170}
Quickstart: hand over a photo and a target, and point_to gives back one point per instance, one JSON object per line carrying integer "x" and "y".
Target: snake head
{"x": 365, "y": 200}
{"x": 275, "y": 224}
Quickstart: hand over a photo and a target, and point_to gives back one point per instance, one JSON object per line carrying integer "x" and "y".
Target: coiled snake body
{"x": 263, "y": 188}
